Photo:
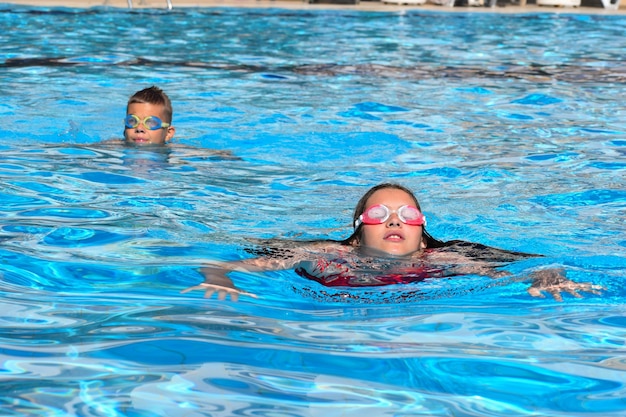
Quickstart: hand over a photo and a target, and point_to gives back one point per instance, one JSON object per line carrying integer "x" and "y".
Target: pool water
{"x": 510, "y": 129}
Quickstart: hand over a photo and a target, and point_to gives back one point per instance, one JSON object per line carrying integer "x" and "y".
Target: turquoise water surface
{"x": 509, "y": 128}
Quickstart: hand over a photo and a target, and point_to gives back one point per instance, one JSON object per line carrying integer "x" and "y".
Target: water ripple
{"x": 510, "y": 128}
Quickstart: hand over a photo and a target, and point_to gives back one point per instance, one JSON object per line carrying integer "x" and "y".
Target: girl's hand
{"x": 217, "y": 281}
{"x": 222, "y": 292}
{"x": 553, "y": 282}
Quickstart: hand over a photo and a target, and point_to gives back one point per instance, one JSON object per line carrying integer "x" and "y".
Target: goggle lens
{"x": 379, "y": 214}
{"x": 151, "y": 122}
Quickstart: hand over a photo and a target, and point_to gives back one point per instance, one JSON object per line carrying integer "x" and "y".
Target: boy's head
{"x": 148, "y": 118}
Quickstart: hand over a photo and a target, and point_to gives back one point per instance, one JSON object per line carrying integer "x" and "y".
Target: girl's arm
{"x": 554, "y": 282}
{"x": 216, "y": 279}
{"x": 479, "y": 261}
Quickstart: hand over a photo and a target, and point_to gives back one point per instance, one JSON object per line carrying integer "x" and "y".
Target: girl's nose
{"x": 393, "y": 220}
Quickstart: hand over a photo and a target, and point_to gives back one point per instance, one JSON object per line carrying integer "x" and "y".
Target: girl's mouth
{"x": 394, "y": 236}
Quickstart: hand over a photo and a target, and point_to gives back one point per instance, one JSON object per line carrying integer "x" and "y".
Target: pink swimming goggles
{"x": 379, "y": 214}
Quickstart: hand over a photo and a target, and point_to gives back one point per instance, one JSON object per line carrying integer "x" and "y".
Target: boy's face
{"x": 140, "y": 135}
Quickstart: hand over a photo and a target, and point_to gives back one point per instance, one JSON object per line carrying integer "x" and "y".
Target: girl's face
{"x": 140, "y": 134}
{"x": 392, "y": 236}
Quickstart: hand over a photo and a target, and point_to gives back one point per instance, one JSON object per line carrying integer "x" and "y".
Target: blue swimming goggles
{"x": 151, "y": 122}
{"x": 380, "y": 213}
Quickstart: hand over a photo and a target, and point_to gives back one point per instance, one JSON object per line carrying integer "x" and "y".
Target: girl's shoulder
{"x": 299, "y": 249}
{"x": 480, "y": 252}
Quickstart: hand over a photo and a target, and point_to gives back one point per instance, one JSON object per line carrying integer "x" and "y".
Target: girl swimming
{"x": 389, "y": 245}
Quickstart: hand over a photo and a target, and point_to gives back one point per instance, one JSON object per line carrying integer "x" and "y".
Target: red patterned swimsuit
{"x": 342, "y": 273}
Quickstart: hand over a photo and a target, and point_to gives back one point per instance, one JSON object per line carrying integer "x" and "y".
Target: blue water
{"x": 510, "y": 129}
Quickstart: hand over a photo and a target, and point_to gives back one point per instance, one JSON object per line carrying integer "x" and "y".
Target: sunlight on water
{"x": 510, "y": 129}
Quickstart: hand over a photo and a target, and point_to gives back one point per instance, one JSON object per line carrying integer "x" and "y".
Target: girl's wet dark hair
{"x": 281, "y": 249}
{"x": 276, "y": 248}
{"x": 355, "y": 237}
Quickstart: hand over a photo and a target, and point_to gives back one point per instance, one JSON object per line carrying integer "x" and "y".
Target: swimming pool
{"x": 509, "y": 128}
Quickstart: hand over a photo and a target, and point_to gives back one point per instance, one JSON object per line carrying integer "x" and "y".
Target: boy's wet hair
{"x": 154, "y": 95}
